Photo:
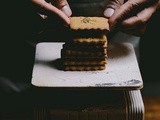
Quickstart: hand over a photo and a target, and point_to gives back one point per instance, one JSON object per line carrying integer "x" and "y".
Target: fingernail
{"x": 108, "y": 12}
{"x": 66, "y": 10}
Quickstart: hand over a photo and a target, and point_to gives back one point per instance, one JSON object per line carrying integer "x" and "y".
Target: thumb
{"x": 112, "y": 5}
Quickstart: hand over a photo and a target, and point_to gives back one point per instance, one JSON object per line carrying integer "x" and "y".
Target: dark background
{"x": 149, "y": 57}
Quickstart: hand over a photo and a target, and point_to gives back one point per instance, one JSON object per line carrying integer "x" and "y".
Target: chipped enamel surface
{"x": 122, "y": 70}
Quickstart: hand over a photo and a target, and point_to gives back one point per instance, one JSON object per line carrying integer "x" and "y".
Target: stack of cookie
{"x": 87, "y": 48}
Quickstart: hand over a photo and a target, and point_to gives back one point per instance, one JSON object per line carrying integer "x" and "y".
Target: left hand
{"x": 49, "y": 8}
{"x": 131, "y": 16}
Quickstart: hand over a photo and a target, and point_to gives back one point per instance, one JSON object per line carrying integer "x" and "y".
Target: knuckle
{"x": 60, "y": 3}
{"x": 133, "y": 4}
{"x": 114, "y": 4}
{"x": 142, "y": 21}
{"x": 118, "y": 1}
{"x": 43, "y": 5}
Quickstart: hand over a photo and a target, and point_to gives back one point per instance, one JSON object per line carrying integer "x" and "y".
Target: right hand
{"x": 59, "y": 8}
{"x": 131, "y": 16}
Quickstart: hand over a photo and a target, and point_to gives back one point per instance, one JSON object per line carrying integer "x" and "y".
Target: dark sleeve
{"x": 149, "y": 50}
{"x": 18, "y": 27}
{"x": 149, "y": 57}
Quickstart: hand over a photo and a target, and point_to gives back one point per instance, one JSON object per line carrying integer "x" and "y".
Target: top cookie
{"x": 87, "y": 23}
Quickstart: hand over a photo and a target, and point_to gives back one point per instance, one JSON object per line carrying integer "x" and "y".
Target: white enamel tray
{"x": 122, "y": 70}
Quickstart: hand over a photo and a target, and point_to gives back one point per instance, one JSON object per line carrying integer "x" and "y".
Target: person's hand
{"x": 131, "y": 16}
{"x": 48, "y": 8}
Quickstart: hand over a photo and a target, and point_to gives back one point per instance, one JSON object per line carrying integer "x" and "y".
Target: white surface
{"x": 122, "y": 70}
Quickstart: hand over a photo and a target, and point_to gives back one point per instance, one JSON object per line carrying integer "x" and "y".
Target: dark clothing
{"x": 18, "y": 28}
{"x": 149, "y": 61}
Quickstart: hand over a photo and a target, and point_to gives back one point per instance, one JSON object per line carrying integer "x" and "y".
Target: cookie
{"x": 100, "y": 40}
{"x": 84, "y": 68}
{"x": 83, "y": 59}
{"x": 88, "y": 23}
{"x": 87, "y": 48}
{"x": 82, "y": 53}
{"x": 73, "y": 45}
{"x": 84, "y": 62}
{"x": 92, "y": 33}
{"x": 77, "y": 57}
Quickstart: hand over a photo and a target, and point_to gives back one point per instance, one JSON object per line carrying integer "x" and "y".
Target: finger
{"x": 63, "y": 6}
{"x": 112, "y": 5}
{"x": 58, "y": 12}
{"x": 140, "y": 19}
{"x": 126, "y": 9}
{"x": 51, "y": 9}
{"x": 139, "y": 31}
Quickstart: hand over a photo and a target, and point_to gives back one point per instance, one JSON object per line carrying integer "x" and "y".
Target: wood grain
{"x": 152, "y": 108}
{"x": 152, "y": 111}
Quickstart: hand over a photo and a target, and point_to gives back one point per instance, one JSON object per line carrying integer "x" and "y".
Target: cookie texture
{"x": 83, "y": 23}
{"x": 84, "y": 68}
{"x": 84, "y": 62}
{"x": 101, "y": 40}
{"x": 87, "y": 48}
